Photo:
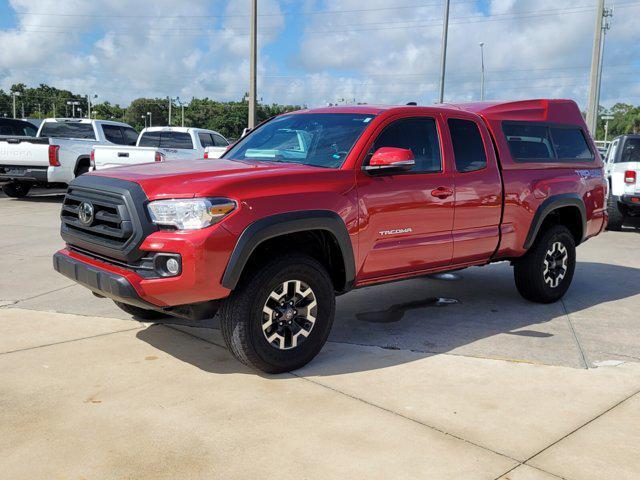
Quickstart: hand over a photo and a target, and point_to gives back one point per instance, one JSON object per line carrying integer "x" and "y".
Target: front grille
{"x": 111, "y": 223}
{"x": 118, "y": 222}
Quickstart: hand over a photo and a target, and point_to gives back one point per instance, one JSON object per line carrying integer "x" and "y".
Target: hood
{"x": 195, "y": 178}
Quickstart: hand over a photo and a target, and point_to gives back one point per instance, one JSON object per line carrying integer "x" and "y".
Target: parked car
{"x": 157, "y": 144}
{"x": 14, "y": 127}
{"x": 316, "y": 203}
{"x": 58, "y": 153}
{"x": 622, "y": 169}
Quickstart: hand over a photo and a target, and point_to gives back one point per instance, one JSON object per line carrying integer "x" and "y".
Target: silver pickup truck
{"x": 58, "y": 153}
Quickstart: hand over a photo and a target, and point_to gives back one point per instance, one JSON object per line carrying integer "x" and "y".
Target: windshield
{"x": 67, "y": 130}
{"x": 318, "y": 139}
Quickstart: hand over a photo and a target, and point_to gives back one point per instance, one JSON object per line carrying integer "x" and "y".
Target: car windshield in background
{"x": 319, "y": 139}
{"x": 68, "y": 130}
{"x": 159, "y": 139}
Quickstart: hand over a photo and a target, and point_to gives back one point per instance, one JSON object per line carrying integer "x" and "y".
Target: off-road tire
{"x": 529, "y": 270}
{"x": 242, "y": 317}
{"x": 616, "y": 217}
{"x": 16, "y": 189}
{"x": 140, "y": 313}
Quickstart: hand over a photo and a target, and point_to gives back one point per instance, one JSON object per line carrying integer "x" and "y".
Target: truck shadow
{"x": 480, "y": 315}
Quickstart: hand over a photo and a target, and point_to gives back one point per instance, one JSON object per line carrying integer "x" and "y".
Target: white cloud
{"x": 122, "y": 49}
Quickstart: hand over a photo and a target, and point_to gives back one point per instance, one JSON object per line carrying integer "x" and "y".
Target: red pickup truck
{"x": 318, "y": 202}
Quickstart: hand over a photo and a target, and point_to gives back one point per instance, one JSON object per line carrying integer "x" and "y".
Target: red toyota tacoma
{"x": 315, "y": 203}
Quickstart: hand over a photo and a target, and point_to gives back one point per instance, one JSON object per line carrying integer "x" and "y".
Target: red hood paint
{"x": 186, "y": 179}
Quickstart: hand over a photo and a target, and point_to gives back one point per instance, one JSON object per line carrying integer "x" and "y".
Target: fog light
{"x": 173, "y": 266}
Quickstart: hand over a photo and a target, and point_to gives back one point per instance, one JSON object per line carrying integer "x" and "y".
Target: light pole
{"x": 150, "y": 119}
{"x": 73, "y": 104}
{"x": 14, "y": 95}
{"x": 170, "y": 102}
{"x": 253, "y": 61}
{"x": 482, "y": 71}
{"x": 595, "y": 76}
{"x": 182, "y": 110}
{"x": 443, "y": 54}
{"x": 606, "y": 119}
{"x": 89, "y": 104}
{"x": 144, "y": 117}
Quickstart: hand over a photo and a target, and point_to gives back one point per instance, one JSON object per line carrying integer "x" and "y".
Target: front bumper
{"x": 204, "y": 253}
{"x": 102, "y": 282}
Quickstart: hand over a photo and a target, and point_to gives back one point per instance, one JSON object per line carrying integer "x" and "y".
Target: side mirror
{"x": 390, "y": 159}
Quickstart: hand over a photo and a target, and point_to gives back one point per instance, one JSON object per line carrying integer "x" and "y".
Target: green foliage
{"x": 228, "y": 118}
{"x": 626, "y": 119}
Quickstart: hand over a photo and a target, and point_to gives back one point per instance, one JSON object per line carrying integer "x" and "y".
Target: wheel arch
{"x": 292, "y": 226}
{"x": 567, "y": 209}
{"x": 81, "y": 160}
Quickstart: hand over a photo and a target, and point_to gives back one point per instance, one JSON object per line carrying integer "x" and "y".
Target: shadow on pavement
{"x": 429, "y": 316}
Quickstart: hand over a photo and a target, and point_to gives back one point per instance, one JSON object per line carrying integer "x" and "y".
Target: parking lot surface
{"x": 450, "y": 376}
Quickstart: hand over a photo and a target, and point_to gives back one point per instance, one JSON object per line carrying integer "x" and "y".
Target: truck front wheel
{"x": 280, "y": 315}
{"x": 544, "y": 273}
{"x": 16, "y": 189}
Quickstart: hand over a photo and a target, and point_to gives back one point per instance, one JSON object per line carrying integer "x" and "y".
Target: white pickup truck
{"x": 622, "y": 169}
{"x": 58, "y": 153}
{"x": 157, "y": 144}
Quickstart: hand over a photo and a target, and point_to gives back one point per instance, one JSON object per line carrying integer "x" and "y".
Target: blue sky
{"x": 317, "y": 51}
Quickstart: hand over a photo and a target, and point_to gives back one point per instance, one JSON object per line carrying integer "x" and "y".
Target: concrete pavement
{"x": 489, "y": 387}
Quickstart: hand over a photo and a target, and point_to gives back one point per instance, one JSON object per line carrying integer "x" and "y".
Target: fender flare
{"x": 548, "y": 206}
{"x": 282, "y": 224}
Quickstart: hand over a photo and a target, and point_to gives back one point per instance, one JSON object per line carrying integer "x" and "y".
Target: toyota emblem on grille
{"x": 85, "y": 213}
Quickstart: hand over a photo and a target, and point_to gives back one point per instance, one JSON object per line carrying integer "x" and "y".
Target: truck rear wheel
{"x": 16, "y": 189}
{"x": 279, "y": 317}
{"x": 140, "y": 313}
{"x": 544, "y": 273}
{"x": 616, "y": 217}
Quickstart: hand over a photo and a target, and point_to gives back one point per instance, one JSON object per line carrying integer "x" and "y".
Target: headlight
{"x": 190, "y": 213}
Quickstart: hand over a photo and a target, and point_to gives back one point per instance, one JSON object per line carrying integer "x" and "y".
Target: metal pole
{"x": 13, "y": 94}
{"x": 182, "y": 107}
{"x": 482, "y": 70}
{"x": 443, "y": 56}
{"x": 253, "y": 60}
{"x": 169, "y": 110}
{"x": 608, "y": 12}
{"x": 88, "y": 107}
{"x": 592, "y": 108}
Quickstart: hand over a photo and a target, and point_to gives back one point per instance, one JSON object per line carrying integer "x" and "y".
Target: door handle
{"x": 442, "y": 192}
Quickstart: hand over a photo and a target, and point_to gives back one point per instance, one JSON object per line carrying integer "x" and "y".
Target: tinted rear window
{"x": 570, "y": 144}
{"x": 219, "y": 140}
{"x": 534, "y": 142}
{"x": 130, "y": 136}
{"x": 631, "y": 150}
{"x": 177, "y": 140}
{"x": 17, "y": 129}
{"x": 468, "y": 147}
{"x": 529, "y": 142}
{"x": 150, "y": 139}
{"x": 113, "y": 134}
{"x": 67, "y": 130}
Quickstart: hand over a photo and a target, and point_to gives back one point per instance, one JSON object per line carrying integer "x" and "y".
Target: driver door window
{"x": 419, "y": 135}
